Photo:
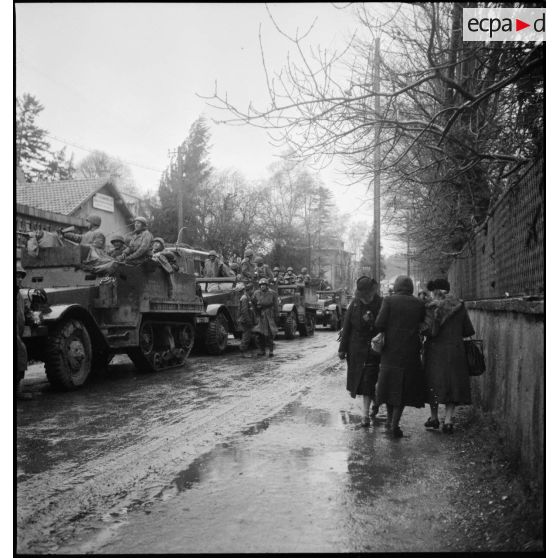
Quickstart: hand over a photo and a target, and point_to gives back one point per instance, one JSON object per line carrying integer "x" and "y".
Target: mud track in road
{"x": 214, "y": 398}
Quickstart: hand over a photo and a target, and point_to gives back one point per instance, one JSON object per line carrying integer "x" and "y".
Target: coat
{"x": 445, "y": 365}
{"x": 263, "y": 271}
{"x": 355, "y": 340}
{"x": 139, "y": 247}
{"x": 247, "y": 270}
{"x": 89, "y": 238}
{"x": 401, "y": 379}
{"x": 246, "y": 312}
{"x": 266, "y": 306}
{"x": 20, "y": 326}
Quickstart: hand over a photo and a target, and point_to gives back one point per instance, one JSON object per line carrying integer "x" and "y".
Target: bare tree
{"x": 459, "y": 122}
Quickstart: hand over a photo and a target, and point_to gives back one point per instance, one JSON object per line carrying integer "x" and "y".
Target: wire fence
{"x": 506, "y": 257}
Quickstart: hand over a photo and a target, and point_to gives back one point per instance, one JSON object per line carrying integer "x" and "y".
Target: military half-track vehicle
{"x": 81, "y": 319}
{"x": 221, "y": 299}
{"x": 332, "y": 308}
{"x": 298, "y": 306}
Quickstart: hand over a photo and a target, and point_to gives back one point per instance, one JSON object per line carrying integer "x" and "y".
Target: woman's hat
{"x": 439, "y": 284}
{"x": 365, "y": 283}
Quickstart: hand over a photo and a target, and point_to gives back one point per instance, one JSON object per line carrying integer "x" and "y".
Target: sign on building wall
{"x": 104, "y": 202}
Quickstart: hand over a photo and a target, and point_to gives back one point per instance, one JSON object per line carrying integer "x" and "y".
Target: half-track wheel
{"x": 290, "y": 325}
{"x": 307, "y": 328}
{"x": 217, "y": 335}
{"x": 186, "y": 336}
{"x": 68, "y": 355}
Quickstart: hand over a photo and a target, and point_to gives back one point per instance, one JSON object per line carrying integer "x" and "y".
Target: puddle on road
{"x": 288, "y": 483}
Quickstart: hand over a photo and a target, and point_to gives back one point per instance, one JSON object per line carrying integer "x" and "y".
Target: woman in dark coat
{"x": 447, "y": 375}
{"x": 401, "y": 380}
{"x": 358, "y": 329}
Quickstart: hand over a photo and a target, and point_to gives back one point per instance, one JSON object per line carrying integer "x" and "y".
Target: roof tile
{"x": 59, "y": 197}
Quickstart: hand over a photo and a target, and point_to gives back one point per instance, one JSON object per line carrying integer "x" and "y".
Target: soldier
{"x": 93, "y": 237}
{"x": 22, "y": 311}
{"x": 118, "y": 246}
{"x": 139, "y": 248}
{"x": 290, "y": 277}
{"x": 165, "y": 258}
{"x": 247, "y": 268}
{"x": 276, "y": 276}
{"x": 211, "y": 266}
{"x": 262, "y": 270}
{"x": 266, "y": 305}
{"x": 247, "y": 318}
{"x": 305, "y": 276}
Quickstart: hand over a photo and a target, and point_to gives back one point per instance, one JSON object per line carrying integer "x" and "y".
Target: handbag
{"x": 474, "y": 354}
{"x": 377, "y": 343}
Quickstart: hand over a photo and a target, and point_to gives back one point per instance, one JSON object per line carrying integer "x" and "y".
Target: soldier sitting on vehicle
{"x": 262, "y": 270}
{"x": 118, "y": 246}
{"x": 247, "y": 268}
{"x": 93, "y": 237}
{"x": 139, "y": 248}
{"x": 212, "y": 267}
{"x": 290, "y": 277}
{"x": 305, "y": 276}
{"x": 165, "y": 258}
{"x": 276, "y": 276}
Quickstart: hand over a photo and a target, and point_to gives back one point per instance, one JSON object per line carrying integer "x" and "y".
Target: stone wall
{"x": 512, "y": 388}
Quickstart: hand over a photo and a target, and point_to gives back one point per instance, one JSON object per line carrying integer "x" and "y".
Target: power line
{"x": 90, "y": 150}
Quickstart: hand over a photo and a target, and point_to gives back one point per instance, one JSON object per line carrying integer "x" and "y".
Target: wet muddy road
{"x": 235, "y": 455}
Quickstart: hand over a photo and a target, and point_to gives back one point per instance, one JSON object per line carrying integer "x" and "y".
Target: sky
{"x": 125, "y": 79}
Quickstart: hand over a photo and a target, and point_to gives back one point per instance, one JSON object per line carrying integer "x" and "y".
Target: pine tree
{"x": 32, "y": 149}
{"x": 59, "y": 167}
{"x": 189, "y": 171}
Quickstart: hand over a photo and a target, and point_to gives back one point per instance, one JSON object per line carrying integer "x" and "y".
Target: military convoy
{"x": 80, "y": 319}
{"x": 332, "y": 308}
{"x": 298, "y": 306}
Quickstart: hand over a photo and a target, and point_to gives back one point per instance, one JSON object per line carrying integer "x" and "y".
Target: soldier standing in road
{"x": 139, "y": 248}
{"x": 93, "y": 237}
{"x": 266, "y": 305}
{"x": 247, "y": 268}
{"x": 247, "y": 318}
{"x": 20, "y": 326}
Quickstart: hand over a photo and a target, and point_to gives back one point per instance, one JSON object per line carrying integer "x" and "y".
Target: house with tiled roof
{"x": 53, "y": 205}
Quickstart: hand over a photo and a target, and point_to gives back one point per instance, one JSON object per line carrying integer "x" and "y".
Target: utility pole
{"x": 408, "y": 247}
{"x": 377, "y": 263}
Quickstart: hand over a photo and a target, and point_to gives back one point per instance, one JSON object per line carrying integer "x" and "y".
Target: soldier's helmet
{"x": 141, "y": 219}
{"x": 94, "y": 220}
{"x": 118, "y": 238}
{"x": 19, "y": 269}
{"x": 234, "y": 266}
{"x": 259, "y": 260}
{"x": 304, "y": 270}
{"x": 263, "y": 281}
{"x": 159, "y": 239}
{"x": 212, "y": 253}
{"x": 290, "y": 269}
{"x": 276, "y": 269}
{"x": 248, "y": 253}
